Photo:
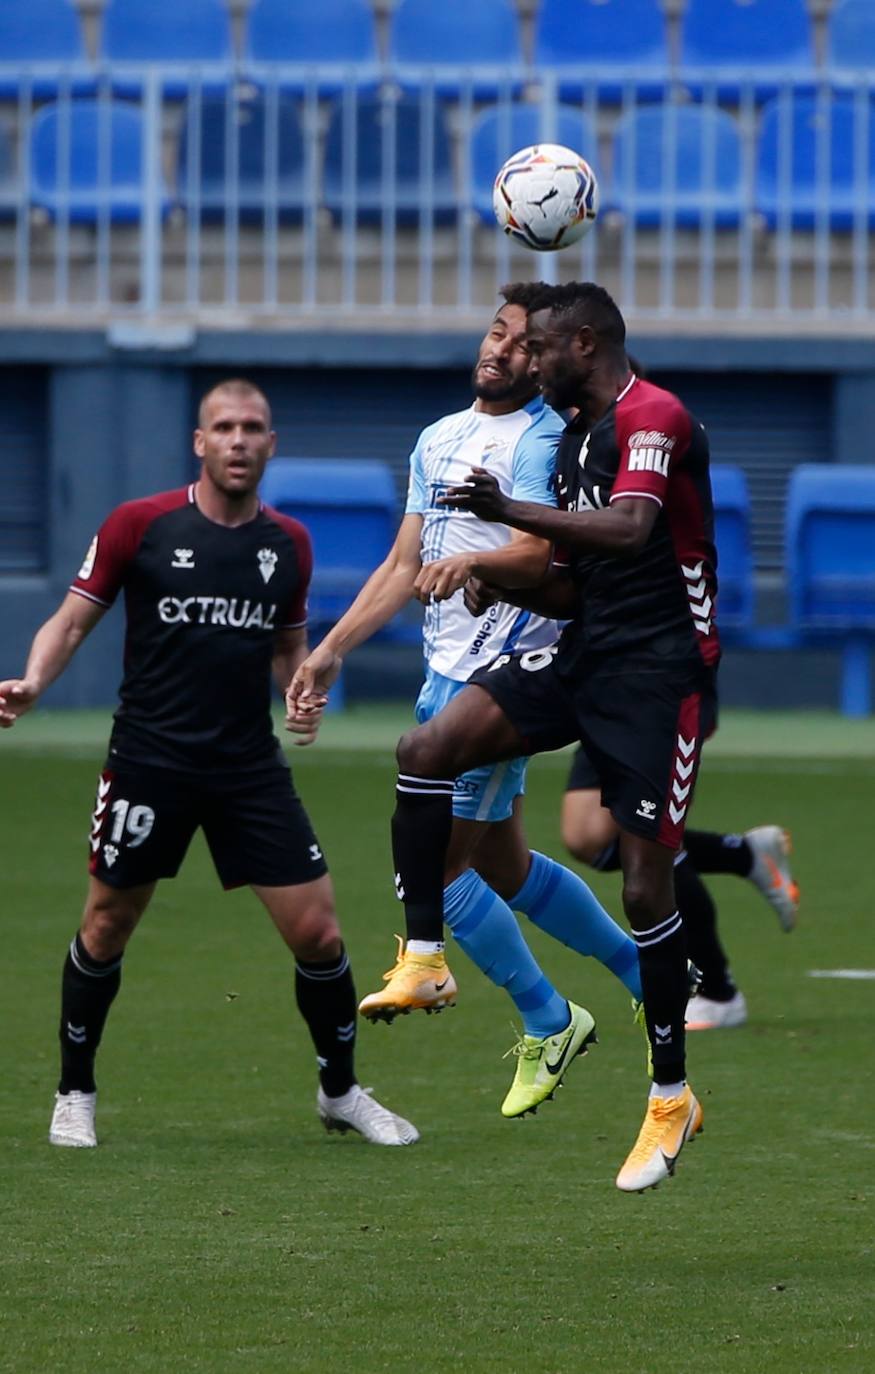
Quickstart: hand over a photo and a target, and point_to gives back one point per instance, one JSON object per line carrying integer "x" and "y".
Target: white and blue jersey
{"x": 520, "y": 451}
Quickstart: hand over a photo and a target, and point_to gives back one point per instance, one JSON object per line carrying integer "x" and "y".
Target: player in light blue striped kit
{"x": 490, "y": 871}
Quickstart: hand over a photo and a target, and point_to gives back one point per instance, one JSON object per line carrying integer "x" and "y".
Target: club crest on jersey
{"x": 267, "y": 563}
{"x": 88, "y": 562}
{"x": 183, "y": 558}
{"x": 493, "y": 448}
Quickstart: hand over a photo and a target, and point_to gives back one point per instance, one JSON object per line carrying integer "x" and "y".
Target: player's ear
{"x": 272, "y": 449}
{"x": 585, "y": 339}
{"x": 199, "y": 443}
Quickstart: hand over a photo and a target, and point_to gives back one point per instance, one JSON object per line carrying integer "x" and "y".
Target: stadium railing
{"x": 772, "y": 228}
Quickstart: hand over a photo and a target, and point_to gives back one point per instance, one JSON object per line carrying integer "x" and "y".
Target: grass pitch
{"x": 219, "y": 1229}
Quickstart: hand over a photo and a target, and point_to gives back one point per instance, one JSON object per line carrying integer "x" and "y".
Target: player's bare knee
{"x": 639, "y": 902}
{"x": 580, "y": 847}
{"x": 316, "y": 936}
{"x": 421, "y": 754}
{"x": 107, "y": 926}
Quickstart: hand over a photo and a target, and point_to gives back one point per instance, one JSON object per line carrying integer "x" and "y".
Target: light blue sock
{"x": 560, "y": 903}
{"x": 489, "y": 933}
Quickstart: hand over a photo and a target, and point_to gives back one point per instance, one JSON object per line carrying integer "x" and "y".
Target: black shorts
{"x": 582, "y": 777}
{"x": 254, "y": 823}
{"x": 642, "y": 730}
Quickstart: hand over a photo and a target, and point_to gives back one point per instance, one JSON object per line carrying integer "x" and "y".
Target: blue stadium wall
{"x": 91, "y": 419}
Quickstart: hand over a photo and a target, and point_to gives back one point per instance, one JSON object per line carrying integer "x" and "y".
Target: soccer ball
{"x": 546, "y": 197}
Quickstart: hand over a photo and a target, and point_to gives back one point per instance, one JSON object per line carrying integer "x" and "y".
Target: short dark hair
{"x": 528, "y": 294}
{"x": 580, "y": 303}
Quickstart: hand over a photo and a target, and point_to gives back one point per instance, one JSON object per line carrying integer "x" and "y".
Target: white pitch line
{"x": 859, "y": 974}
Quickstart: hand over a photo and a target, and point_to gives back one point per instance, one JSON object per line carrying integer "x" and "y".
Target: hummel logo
{"x": 184, "y": 558}
{"x": 77, "y": 1034}
{"x": 315, "y": 852}
{"x": 663, "y": 1035}
{"x": 399, "y": 887}
{"x": 646, "y": 810}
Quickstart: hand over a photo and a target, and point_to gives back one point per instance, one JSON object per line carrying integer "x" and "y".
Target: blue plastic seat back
{"x": 499, "y": 132}
{"x": 831, "y": 546}
{"x": 680, "y": 162}
{"x": 732, "y": 525}
{"x": 350, "y": 509}
{"x": 455, "y": 32}
{"x": 748, "y": 33}
{"x": 816, "y": 158}
{"x": 850, "y": 34}
{"x": 167, "y": 31}
{"x": 265, "y": 135}
{"x": 327, "y": 31}
{"x": 391, "y": 136}
{"x": 40, "y": 31}
{"x": 68, "y": 144}
{"x": 594, "y": 32}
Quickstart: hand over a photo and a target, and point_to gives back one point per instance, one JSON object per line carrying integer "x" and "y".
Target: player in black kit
{"x": 632, "y": 676}
{"x": 215, "y": 587}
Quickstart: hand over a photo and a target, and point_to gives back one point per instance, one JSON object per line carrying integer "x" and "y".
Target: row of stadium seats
{"x": 814, "y": 162}
{"x": 349, "y": 507}
{"x": 764, "y": 39}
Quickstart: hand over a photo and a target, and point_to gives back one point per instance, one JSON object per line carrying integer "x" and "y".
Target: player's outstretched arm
{"x": 386, "y": 591}
{"x": 53, "y": 646}
{"x": 521, "y": 563}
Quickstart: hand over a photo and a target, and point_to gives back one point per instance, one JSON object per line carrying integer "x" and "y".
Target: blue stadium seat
{"x": 735, "y": 570}
{"x": 830, "y": 538}
{"x": 166, "y": 31}
{"x": 336, "y": 33}
{"x": 35, "y": 32}
{"x": 816, "y": 159}
{"x": 176, "y": 35}
{"x": 679, "y": 163}
{"x": 73, "y": 181}
{"x": 270, "y": 157}
{"x": 350, "y": 508}
{"x": 498, "y": 132}
{"x": 399, "y": 167}
{"x": 850, "y": 35}
{"x": 619, "y": 42}
{"x": 448, "y": 36}
{"x": 764, "y": 41}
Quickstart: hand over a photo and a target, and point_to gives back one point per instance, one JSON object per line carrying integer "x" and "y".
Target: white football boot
{"x": 358, "y": 1111}
{"x": 73, "y": 1120}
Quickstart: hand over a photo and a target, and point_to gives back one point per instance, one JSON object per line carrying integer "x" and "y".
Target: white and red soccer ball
{"x": 546, "y": 197}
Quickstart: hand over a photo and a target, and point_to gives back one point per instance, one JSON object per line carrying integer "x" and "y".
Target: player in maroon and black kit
{"x": 632, "y": 676}
{"x": 215, "y": 588}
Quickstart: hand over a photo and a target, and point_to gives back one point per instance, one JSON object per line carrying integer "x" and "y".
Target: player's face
{"x": 501, "y": 373}
{"x": 234, "y": 442}
{"x": 556, "y": 361}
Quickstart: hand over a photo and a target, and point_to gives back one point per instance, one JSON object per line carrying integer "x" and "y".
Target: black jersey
{"x": 203, "y": 603}
{"x": 659, "y": 604}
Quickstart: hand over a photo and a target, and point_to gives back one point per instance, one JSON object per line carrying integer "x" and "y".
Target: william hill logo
{"x": 650, "y": 451}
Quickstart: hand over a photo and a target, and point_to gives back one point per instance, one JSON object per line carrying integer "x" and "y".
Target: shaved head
{"x": 234, "y": 388}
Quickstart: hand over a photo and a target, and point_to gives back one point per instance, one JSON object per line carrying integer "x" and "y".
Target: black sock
{"x": 699, "y": 916}
{"x": 662, "y": 956}
{"x": 88, "y": 988}
{"x": 420, "y": 835}
{"x": 711, "y": 853}
{"x": 327, "y": 1002}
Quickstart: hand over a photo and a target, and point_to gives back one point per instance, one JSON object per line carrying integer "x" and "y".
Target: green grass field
{"x": 218, "y": 1228}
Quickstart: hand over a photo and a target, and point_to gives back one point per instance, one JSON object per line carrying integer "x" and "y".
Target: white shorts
{"x": 483, "y": 794}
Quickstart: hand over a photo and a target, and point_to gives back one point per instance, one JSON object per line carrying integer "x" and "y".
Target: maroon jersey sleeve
{"x": 113, "y": 548}
{"x": 293, "y": 614}
{"x": 653, "y": 434}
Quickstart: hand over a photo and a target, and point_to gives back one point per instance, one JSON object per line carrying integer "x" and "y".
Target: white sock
{"x": 667, "y": 1089}
{"x": 425, "y": 946}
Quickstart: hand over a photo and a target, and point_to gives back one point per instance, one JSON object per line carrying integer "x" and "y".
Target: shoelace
{"x": 399, "y": 960}
{"x": 521, "y": 1050}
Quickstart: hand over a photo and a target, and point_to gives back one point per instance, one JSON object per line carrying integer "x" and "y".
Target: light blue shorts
{"x": 483, "y": 794}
